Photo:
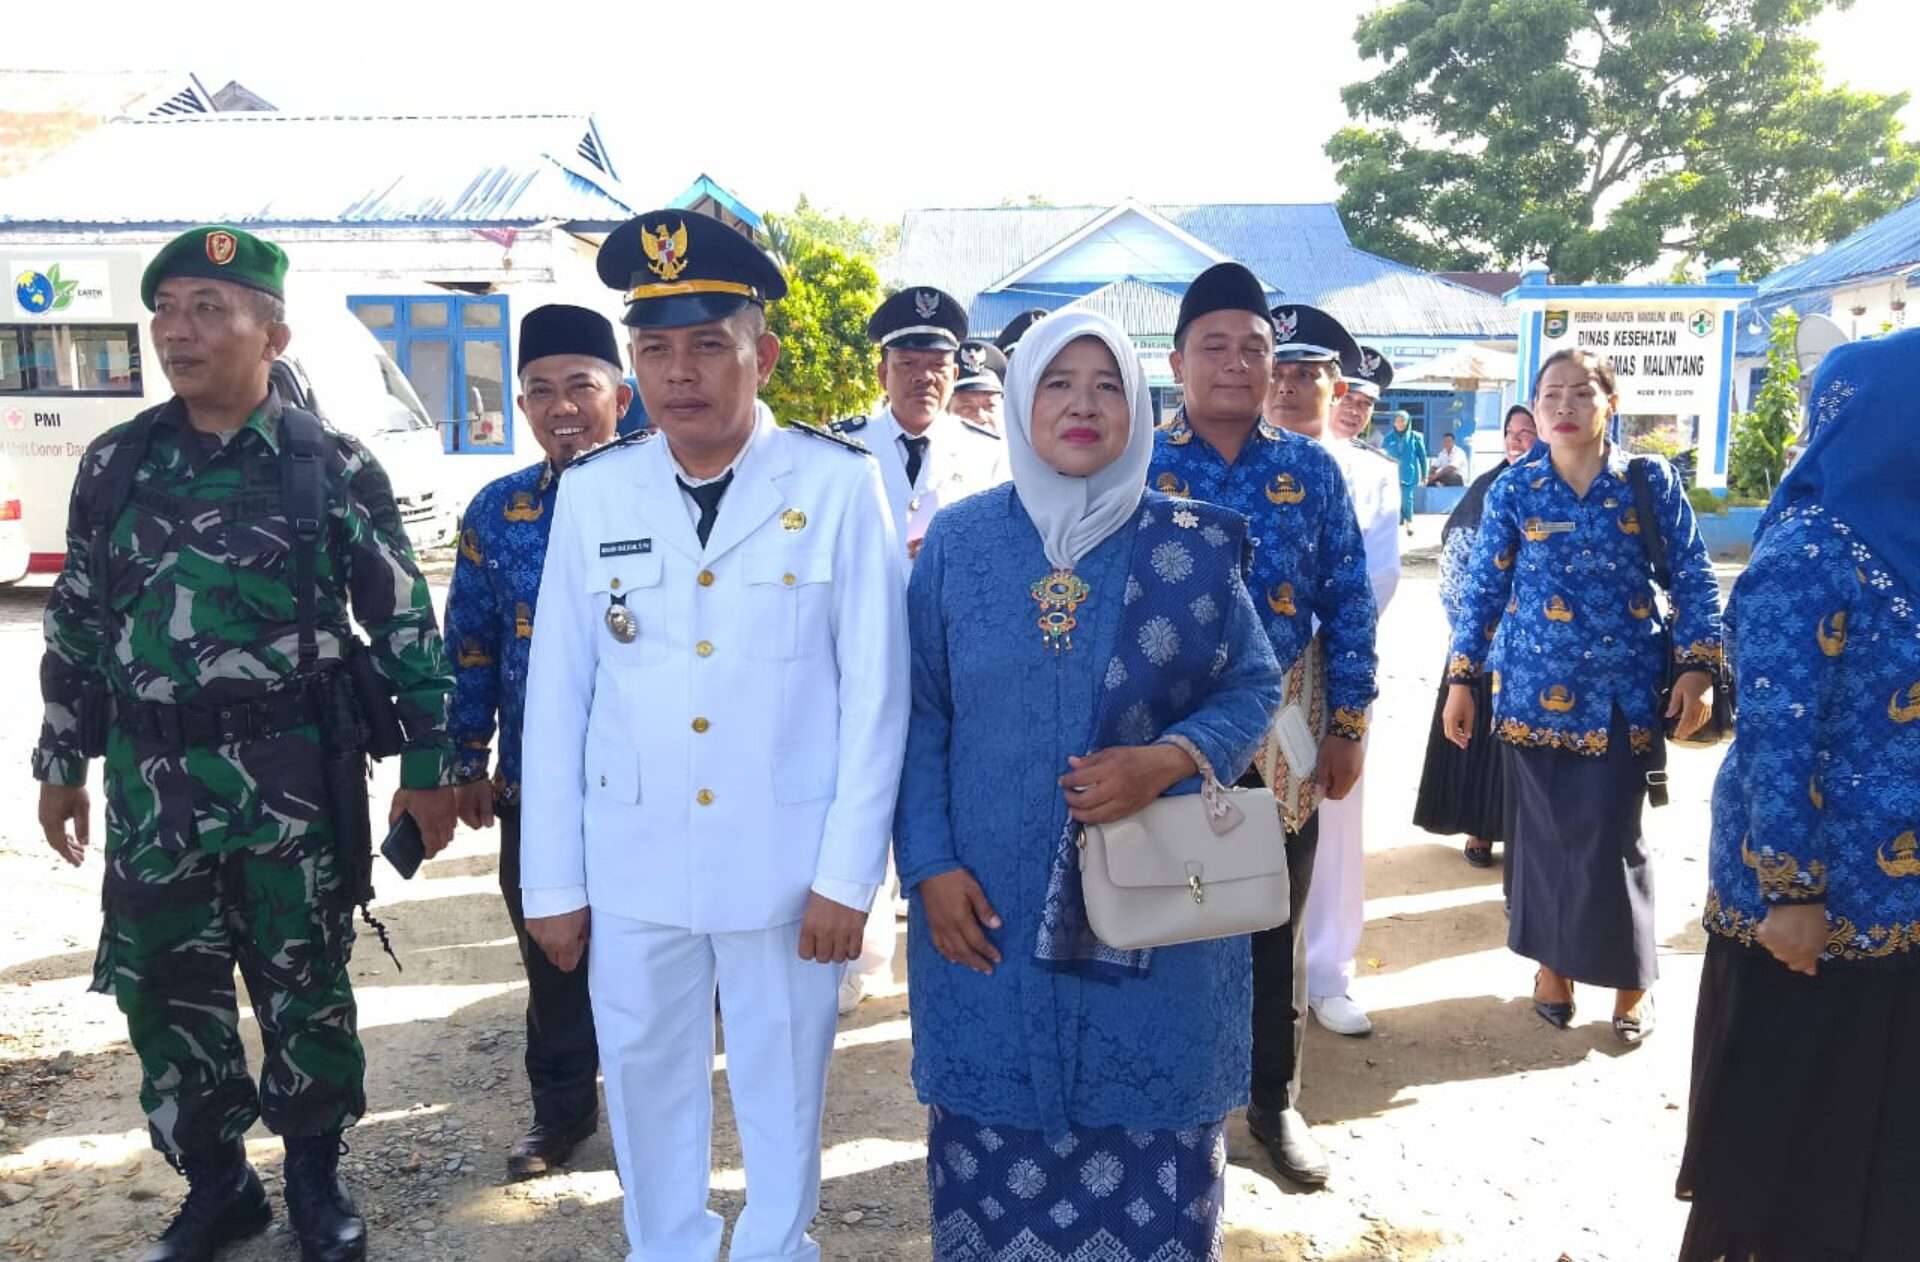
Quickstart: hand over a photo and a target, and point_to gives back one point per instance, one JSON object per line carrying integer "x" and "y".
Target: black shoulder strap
{"x": 106, "y": 496}
{"x": 1652, "y": 537}
{"x": 303, "y": 498}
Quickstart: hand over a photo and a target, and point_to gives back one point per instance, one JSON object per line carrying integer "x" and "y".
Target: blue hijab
{"x": 1864, "y": 415}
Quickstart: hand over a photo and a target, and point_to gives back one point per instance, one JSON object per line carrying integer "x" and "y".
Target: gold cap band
{"x": 640, "y": 293}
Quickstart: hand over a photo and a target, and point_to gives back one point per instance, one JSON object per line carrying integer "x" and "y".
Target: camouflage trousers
{"x": 177, "y": 923}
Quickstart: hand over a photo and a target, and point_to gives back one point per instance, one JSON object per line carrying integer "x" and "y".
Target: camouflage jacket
{"x": 199, "y": 584}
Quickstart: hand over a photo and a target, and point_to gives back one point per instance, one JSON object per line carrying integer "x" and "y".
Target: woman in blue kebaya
{"x": 1559, "y": 590}
{"x": 1080, "y": 646}
{"x": 1409, "y": 450}
{"x": 1803, "y": 1139}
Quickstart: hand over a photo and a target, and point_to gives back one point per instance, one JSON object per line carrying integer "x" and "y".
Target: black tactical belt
{"x": 201, "y": 725}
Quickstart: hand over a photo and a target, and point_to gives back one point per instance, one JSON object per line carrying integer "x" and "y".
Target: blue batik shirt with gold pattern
{"x": 496, "y": 579}
{"x": 1819, "y": 797}
{"x": 1562, "y": 584}
{"x": 1309, "y": 561}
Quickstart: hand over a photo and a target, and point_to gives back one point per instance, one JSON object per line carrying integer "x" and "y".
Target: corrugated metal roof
{"x": 268, "y": 168}
{"x": 1299, "y": 250}
{"x": 1886, "y": 245}
{"x": 1141, "y": 309}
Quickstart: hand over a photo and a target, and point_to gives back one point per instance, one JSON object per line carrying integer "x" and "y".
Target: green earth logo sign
{"x": 40, "y": 292}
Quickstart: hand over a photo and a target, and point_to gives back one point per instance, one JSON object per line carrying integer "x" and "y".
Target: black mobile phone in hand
{"x": 403, "y": 847}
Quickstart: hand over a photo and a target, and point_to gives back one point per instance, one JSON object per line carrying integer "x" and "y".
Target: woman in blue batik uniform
{"x": 1559, "y": 589}
{"x": 1080, "y": 645}
{"x": 1407, "y": 447}
{"x": 1804, "y": 1133}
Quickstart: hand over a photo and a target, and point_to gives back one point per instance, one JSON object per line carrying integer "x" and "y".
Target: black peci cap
{"x": 982, "y": 367}
{"x": 1375, "y": 375}
{"x": 1308, "y": 334}
{"x": 919, "y": 318}
{"x": 680, "y": 267}
{"x": 1222, "y": 287}
{"x": 560, "y": 329}
{"x": 1017, "y": 328}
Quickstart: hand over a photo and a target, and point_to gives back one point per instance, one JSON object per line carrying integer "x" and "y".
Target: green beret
{"x": 218, "y": 252}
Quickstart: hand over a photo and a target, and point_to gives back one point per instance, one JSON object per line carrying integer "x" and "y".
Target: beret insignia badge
{"x": 221, "y": 248}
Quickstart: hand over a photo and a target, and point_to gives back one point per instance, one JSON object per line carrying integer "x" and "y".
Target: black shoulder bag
{"x": 1719, "y": 725}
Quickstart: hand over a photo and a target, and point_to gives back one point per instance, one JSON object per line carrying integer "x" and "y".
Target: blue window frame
{"x": 455, "y": 350}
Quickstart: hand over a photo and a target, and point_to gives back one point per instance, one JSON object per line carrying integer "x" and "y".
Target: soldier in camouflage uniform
{"x": 220, "y": 851}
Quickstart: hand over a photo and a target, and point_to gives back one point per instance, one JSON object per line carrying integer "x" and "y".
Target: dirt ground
{"x": 1464, "y": 1130}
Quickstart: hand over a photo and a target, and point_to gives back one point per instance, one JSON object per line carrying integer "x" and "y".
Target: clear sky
{"x": 866, "y": 107}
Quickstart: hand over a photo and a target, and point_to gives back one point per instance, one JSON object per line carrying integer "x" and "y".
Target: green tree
{"x": 826, "y": 363}
{"x": 807, "y": 224}
{"x": 1602, "y": 135}
{"x": 1758, "y": 454}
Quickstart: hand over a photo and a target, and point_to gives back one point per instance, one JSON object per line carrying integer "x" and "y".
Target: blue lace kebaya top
{"x": 996, "y": 713}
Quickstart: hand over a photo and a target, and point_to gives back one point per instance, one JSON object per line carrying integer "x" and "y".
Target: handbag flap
{"x": 1169, "y": 841}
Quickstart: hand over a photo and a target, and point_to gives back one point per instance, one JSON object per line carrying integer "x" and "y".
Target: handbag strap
{"x": 1222, "y": 815}
{"x": 1652, "y": 538}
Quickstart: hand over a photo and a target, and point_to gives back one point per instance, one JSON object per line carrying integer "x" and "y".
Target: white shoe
{"x": 853, "y": 988}
{"x": 1341, "y": 1015}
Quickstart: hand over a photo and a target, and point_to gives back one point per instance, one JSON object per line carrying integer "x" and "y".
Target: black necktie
{"x": 916, "y": 452}
{"x": 707, "y": 496}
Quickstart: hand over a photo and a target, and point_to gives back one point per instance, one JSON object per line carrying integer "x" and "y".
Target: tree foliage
{"x": 826, "y": 364}
{"x": 809, "y": 225}
{"x": 1602, "y": 135}
{"x": 1758, "y": 454}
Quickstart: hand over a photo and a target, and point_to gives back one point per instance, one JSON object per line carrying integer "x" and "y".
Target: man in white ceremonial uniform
{"x": 1315, "y": 375}
{"x": 716, "y": 716}
{"x": 928, "y": 458}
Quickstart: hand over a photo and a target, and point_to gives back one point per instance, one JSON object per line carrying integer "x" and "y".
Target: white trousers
{"x": 1337, "y": 899}
{"x": 653, "y": 988}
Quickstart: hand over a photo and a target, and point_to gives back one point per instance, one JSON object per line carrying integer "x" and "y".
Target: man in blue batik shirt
{"x": 572, "y": 395}
{"x": 1309, "y": 565}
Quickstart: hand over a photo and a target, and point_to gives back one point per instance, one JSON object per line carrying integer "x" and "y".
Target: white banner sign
{"x": 1666, "y": 359}
{"x": 54, "y": 290}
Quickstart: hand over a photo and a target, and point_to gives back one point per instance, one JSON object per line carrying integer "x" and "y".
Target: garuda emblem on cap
{"x": 971, "y": 357}
{"x": 666, "y": 251}
{"x": 1370, "y": 363}
{"x": 925, "y": 303}
{"x": 1286, "y": 323}
{"x": 221, "y": 248}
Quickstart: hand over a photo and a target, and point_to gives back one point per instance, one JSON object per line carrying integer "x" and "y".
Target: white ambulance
{"x": 77, "y": 358}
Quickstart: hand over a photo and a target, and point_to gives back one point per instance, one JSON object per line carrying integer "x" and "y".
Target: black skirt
{"x": 1581, "y": 895}
{"x": 1461, "y": 790}
{"x": 1803, "y": 1135}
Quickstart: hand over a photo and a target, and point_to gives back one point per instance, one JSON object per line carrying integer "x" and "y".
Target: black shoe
{"x": 545, "y": 1146}
{"x": 1290, "y": 1142}
{"x": 323, "y": 1215}
{"x": 225, "y": 1203}
{"x": 1479, "y": 856}
{"x": 1557, "y": 1015}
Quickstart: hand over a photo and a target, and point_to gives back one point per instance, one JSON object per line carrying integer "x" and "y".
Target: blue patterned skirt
{"x": 1000, "y": 1194}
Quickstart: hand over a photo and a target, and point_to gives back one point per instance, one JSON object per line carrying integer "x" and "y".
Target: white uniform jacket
{"x": 745, "y": 746}
{"x": 1373, "y": 481}
{"x": 961, "y": 459}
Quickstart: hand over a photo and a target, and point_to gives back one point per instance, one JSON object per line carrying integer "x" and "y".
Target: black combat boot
{"x": 323, "y": 1215}
{"x": 225, "y": 1203}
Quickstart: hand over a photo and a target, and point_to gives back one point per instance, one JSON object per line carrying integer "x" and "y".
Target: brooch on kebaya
{"x": 1059, "y": 594}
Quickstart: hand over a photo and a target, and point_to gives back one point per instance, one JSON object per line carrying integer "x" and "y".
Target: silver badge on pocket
{"x": 620, "y": 621}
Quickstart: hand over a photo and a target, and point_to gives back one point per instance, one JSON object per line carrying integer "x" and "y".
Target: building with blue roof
{"x": 1860, "y": 282}
{"x": 1134, "y": 261}
{"x": 438, "y": 231}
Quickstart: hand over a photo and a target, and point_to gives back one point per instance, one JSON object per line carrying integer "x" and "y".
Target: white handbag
{"x": 1290, "y": 755}
{"x": 1185, "y": 869}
